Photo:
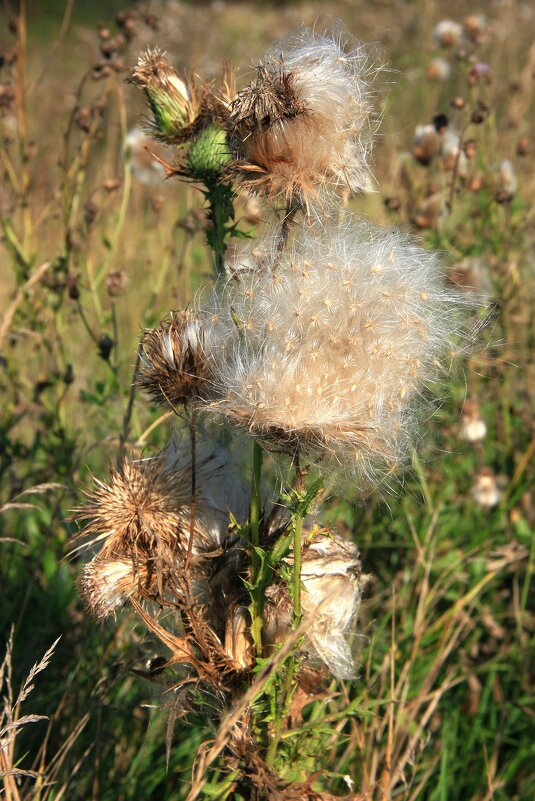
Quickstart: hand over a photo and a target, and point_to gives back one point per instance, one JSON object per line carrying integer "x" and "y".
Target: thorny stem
{"x": 298, "y": 533}
{"x": 130, "y": 406}
{"x": 254, "y": 541}
{"x": 219, "y": 196}
{"x": 456, "y": 167}
{"x": 22, "y": 125}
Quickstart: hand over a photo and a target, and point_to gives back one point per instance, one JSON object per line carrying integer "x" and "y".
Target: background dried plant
{"x": 444, "y": 704}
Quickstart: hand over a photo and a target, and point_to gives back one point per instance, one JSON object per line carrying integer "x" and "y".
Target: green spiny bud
{"x": 168, "y": 95}
{"x": 208, "y": 154}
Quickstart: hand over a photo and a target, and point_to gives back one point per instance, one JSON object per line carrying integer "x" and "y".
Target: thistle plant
{"x": 317, "y": 342}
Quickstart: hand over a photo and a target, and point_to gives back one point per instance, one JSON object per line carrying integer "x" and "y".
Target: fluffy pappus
{"x": 106, "y": 584}
{"x": 305, "y": 126}
{"x": 332, "y": 590}
{"x": 325, "y": 349}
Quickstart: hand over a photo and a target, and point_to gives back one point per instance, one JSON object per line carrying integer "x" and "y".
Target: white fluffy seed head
{"x": 327, "y": 347}
{"x": 332, "y": 585}
{"x": 106, "y": 583}
{"x": 305, "y": 127}
{"x": 448, "y": 33}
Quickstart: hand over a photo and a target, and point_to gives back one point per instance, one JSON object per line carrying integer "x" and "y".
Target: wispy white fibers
{"x": 332, "y": 585}
{"x": 305, "y": 126}
{"x": 326, "y": 347}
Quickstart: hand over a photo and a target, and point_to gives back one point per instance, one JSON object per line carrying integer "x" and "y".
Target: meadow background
{"x": 444, "y": 707}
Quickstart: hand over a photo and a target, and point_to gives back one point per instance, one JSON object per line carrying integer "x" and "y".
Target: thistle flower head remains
{"x": 173, "y": 366}
{"x": 174, "y": 106}
{"x": 142, "y": 521}
{"x": 304, "y": 127}
{"x": 326, "y": 348}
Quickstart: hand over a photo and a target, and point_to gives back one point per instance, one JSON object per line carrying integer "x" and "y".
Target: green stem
{"x": 221, "y": 211}
{"x": 298, "y": 532}
{"x": 254, "y": 540}
{"x": 292, "y": 665}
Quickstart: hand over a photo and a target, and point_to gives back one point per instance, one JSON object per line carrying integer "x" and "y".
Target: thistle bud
{"x": 168, "y": 95}
{"x": 208, "y": 154}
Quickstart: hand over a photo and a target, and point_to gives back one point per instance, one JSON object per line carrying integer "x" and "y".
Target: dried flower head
{"x": 506, "y": 181}
{"x": 438, "y": 69}
{"x": 487, "y": 489}
{"x": 107, "y": 583}
{"x": 439, "y": 140}
{"x": 173, "y": 366}
{"x": 326, "y": 347}
{"x": 306, "y": 124}
{"x": 475, "y": 26}
{"x": 142, "y": 519}
{"x": 432, "y": 210}
{"x": 426, "y": 143}
{"x": 185, "y": 114}
{"x": 332, "y": 590}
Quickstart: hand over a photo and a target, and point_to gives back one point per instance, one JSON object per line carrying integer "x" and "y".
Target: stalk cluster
{"x": 316, "y": 341}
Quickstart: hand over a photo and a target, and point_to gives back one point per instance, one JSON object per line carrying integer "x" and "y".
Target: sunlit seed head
{"x": 438, "y": 69}
{"x": 472, "y": 427}
{"x": 487, "y": 490}
{"x": 448, "y": 33}
{"x": 304, "y": 126}
{"x": 332, "y": 584}
{"x": 107, "y": 583}
{"x": 328, "y": 382}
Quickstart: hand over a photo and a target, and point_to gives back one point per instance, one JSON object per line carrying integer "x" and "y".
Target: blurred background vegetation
{"x": 95, "y": 246}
